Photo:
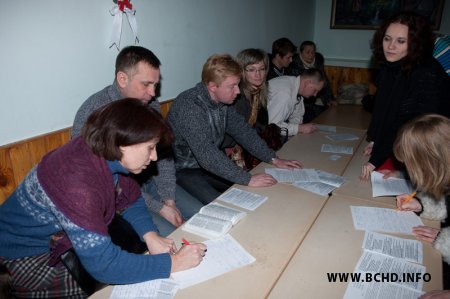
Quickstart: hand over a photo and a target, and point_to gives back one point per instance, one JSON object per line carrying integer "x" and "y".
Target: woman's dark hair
{"x": 122, "y": 123}
{"x": 420, "y": 39}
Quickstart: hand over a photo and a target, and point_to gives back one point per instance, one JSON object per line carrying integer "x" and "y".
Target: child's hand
{"x": 425, "y": 233}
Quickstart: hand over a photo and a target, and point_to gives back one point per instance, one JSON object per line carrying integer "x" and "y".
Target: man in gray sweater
{"x": 137, "y": 76}
{"x": 200, "y": 117}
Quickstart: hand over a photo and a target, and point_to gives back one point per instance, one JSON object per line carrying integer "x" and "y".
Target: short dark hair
{"x": 314, "y": 73}
{"x": 122, "y": 123}
{"x": 306, "y": 43}
{"x": 282, "y": 47}
{"x": 420, "y": 39}
{"x": 130, "y": 56}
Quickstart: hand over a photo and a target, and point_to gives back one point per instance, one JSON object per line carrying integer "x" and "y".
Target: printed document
{"x": 152, "y": 289}
{"x": 384, "y": 220}
{"x": 390, "y": 186}
{"x": 315, "y": 187}
{"x": 293, "y": 175}
{"x": 223, "y": 255}
{"x": 325, "y": 128}
{"x": 336, "y": 149}
{"x": 213, "y": 220}
{"x": 244, "y": 199}
{"x": 410, "y": 250}
{"x": 342, "y": 137}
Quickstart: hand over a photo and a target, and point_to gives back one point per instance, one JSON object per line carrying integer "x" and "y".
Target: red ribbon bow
{"x": 124, "y": 3}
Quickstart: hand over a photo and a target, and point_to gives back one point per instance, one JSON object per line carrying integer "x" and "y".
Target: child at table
{"x": 423, "y": 145}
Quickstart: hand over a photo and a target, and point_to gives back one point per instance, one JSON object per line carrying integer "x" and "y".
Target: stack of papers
{"x": 316, "y": 181}
{"x": 243, "y": 199}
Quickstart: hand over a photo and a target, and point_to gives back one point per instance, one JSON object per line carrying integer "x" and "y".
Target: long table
{"x": 334, "y": 246}
{"x": 284, "y": 233}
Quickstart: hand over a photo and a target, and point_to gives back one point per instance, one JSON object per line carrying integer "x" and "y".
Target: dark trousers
{"x": 201, "y": 184}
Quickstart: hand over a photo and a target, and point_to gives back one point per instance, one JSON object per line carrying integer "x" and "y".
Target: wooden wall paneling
{"x": 165, "y": 106}
{"x": 7, "y": 182}
{"x": 339, "y": 76}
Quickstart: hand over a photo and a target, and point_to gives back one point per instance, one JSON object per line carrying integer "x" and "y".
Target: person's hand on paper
{"x": 262, "y": 180}
{"x": 436, "y": 294}
{"x": 157, "y": 244}
{"x": 368, "y": 149}
{"x": 365, "y": 171}
{"x": 307, "y": 128}
{"x": 412, "y": 205}
{"x": 387, "y": 173}
{"x": 188, "y": 256}
{"x": 426, "y": 233}
{"x": 170, "y": 212}
{"x": 286, "y": 164}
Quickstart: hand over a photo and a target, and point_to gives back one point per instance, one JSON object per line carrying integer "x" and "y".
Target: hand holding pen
{"x": 406, "y": 202}
{"x": 189, "y": 256}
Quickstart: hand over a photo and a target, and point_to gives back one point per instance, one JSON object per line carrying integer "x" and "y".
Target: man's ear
{"x": 212, "y": 86}
{"x": 122, "y": 79}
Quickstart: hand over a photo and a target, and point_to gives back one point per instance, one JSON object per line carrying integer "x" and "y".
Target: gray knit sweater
{"x": 200, "y": 124}
{"x": 165, "y": 180}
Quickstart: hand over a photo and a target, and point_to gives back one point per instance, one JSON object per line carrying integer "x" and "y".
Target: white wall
{"x": 344, "y": 47}
{"x": 54, "y": 53}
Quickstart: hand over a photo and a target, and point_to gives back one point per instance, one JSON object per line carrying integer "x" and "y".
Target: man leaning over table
{"x": 137, "y": 76}
{"x": 200, "y": 117}
{"x": 286, "y": 107}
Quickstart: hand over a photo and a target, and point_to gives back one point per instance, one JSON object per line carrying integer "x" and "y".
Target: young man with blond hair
{"x": 200, "y": 117}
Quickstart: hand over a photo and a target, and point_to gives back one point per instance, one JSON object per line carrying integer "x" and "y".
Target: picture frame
{"x": 369, "y": 14}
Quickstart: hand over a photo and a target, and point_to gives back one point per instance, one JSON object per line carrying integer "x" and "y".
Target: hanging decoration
{"x": 120, "y": 8}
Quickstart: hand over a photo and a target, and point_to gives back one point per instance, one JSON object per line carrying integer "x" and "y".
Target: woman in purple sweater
{"x": 69, "y": 199}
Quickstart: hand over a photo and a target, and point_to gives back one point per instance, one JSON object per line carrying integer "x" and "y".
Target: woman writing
{"x": 71, "y": 197}
{"x": 423, "y": 145}
{"x": 410, "y": 83}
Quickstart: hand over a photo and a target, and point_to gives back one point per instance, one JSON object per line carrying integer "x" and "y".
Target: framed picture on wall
{"x": 369, "y": 14}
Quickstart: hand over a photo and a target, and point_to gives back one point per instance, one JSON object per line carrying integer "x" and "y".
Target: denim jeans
{"x": 186, "y": 203}
{"x": 201, "y": 184}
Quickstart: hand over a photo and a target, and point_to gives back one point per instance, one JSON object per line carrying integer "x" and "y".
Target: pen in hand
{"x": 406, "y": 200}
{"x": 185, "y": 242}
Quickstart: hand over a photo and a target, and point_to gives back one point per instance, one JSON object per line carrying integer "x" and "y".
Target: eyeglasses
{"x": 254, "y": 71}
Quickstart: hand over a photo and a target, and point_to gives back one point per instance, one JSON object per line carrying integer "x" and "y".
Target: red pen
{"x": 185, "y": 242}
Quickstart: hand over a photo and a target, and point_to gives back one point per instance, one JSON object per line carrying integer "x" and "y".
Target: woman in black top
{"x": 410, "y": 83}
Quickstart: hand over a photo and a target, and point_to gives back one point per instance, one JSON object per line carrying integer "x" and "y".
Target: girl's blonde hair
{"x": 423, "y": 145}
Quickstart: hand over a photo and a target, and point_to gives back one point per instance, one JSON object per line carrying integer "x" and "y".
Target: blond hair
{"x": 423, "y": 145}
{"x": 218, "y": 67}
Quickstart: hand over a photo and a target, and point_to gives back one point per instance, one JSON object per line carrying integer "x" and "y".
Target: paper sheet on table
{"x": 398, "y": 271}
{"x": 384, "y": 220}
{"x": 223, "y": 255}
{"x": 294, "y": 175}
{"x": 342, "y": 137}
{"x": 410, "y": 250}
{"x": 315, "y": 187}
{"x": 153, "y": 289}
{"x": 244, "y": 199}
{"x": 336, "y": 149}
{"x": 390, "y": 186}
{"x": 326, "y": 128}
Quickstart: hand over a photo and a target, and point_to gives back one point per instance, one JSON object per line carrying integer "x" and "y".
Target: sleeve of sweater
{"x": 279, "y": 109}
{"x": 137, "y": 215}
{"x": 107, "y": 263}
{"x": 190, "y": 121}
{"x": 437, "y": 210}
{"x": 165, "y": 178}
{"x": 247, "y": 136}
